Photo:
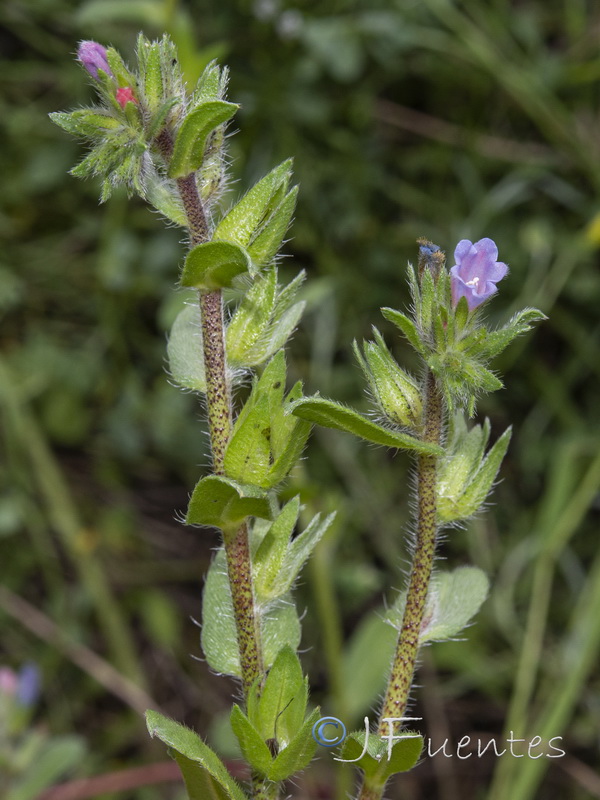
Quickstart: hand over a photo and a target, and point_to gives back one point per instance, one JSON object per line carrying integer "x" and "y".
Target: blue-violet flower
{"x": 93, "y": 57}
{"x": 476, "y": 272}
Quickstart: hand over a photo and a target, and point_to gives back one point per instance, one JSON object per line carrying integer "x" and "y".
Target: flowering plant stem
{"x": 220, "y": 421}
{"x": 403, "y": 665}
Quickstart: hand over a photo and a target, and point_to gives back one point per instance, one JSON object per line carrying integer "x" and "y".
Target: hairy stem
{"x": 240, "y": 580}
{"x": 403, "y": 666}
{"x": 220, "y": 420}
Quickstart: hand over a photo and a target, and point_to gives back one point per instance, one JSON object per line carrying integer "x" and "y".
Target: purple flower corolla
{"x": 476, "y": 272}
{"x": 93, "y": 57}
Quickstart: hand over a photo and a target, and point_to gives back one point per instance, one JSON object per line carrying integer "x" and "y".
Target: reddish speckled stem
{"x": 403, "y": 666}
{"x": 220, "y": 420}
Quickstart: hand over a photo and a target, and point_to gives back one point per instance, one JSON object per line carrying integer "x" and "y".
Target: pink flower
{"x": 93, "y": 57}
{"x": 476, "y": 272}
{"x": 125, "y": 95}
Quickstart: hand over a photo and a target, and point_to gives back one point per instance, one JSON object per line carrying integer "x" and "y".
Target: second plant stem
{"x": 403, "y": 667}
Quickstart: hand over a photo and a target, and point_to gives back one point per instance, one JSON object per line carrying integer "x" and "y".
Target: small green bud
{"x": 395, "y": 391}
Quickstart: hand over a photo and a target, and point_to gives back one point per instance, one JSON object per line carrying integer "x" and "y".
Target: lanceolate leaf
{"x": 252, "y": 745}
{"x": 271, "y": 553}
{"x": 480, "y": 486}
{"x": 496, "y": 341}
{"x": 299, "y": 752}
{"x": 193, "y": 134}
{"x": 205, "y": 775}
{"x": 333, "y": 415}
{"x": 93, "y": 122}
{"x": 300, "y": 549}
{"x": 280, "y": 627}
{"x": 241, "y": 224}
{"x": 282, "y": 704}
{"x": 266, "y": 244}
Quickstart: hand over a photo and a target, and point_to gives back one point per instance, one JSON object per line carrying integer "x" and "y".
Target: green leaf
{"x": 299, "y": 752}
{"x": 465, "y": 451}
{"x": 159, "y": 119}
{"x": 219, "y": 634}
{"x": 363, "y": 678}
{"x": 222, "y": 502}
{"x": 270, "y": 555}
{"x": 205, "y": 775}
{"x": 461, "y": 313}
{"x": 210, "y": 84}
{"x": 282, "y": 705}
{"x": 266, "y": 442}
{"x": 252, "y": 318}
{"x": 252, "y": 745}
{"x": 452, "y": 600}
{"x": 214, "y": 265}
{"x": 93, "y": 122}
{"x": 244, "y": 220}
{"x": 376, "y": 764}
{"x": 281, "y": 330}
{"x": 280, "y": 626}
{"x": 278, "y": 622}
{"x": 164, "y": 197}
{"x": 495, "y": 341}
{"x": 211, "y": 177}
{"x": 455, "y": 598}
{"x": 188, "y": 151}
{"x": 479, "y": 487}
{"x": 184, "y": 349}
{"x": 487, "y": 380}
{"x": 264, "y": 320}
{"x": 300, "y": 549}
{"x": 333, "y": 415}
{"x": 248, "y": 455}
{"x": 151, "y": 77}
{"x": 266, "y": 244}
{"x": 122, "y": 75}
{"x": 296, "y": 435}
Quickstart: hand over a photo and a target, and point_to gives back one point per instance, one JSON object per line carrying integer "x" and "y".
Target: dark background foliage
{"x": 441, "y": 119}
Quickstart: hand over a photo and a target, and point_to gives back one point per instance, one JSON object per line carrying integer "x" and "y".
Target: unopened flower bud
{"x": 93, "y": 57}
{"x": 125, "y": 95}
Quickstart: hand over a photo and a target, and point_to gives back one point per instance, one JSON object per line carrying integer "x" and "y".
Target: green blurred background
{"x": 439, "y": 119}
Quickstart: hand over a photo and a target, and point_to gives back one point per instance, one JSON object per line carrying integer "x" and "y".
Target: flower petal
{"x": 487, "y": 248}
{"x": 497, "y": 272}
{"x": 462, "y": 249}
